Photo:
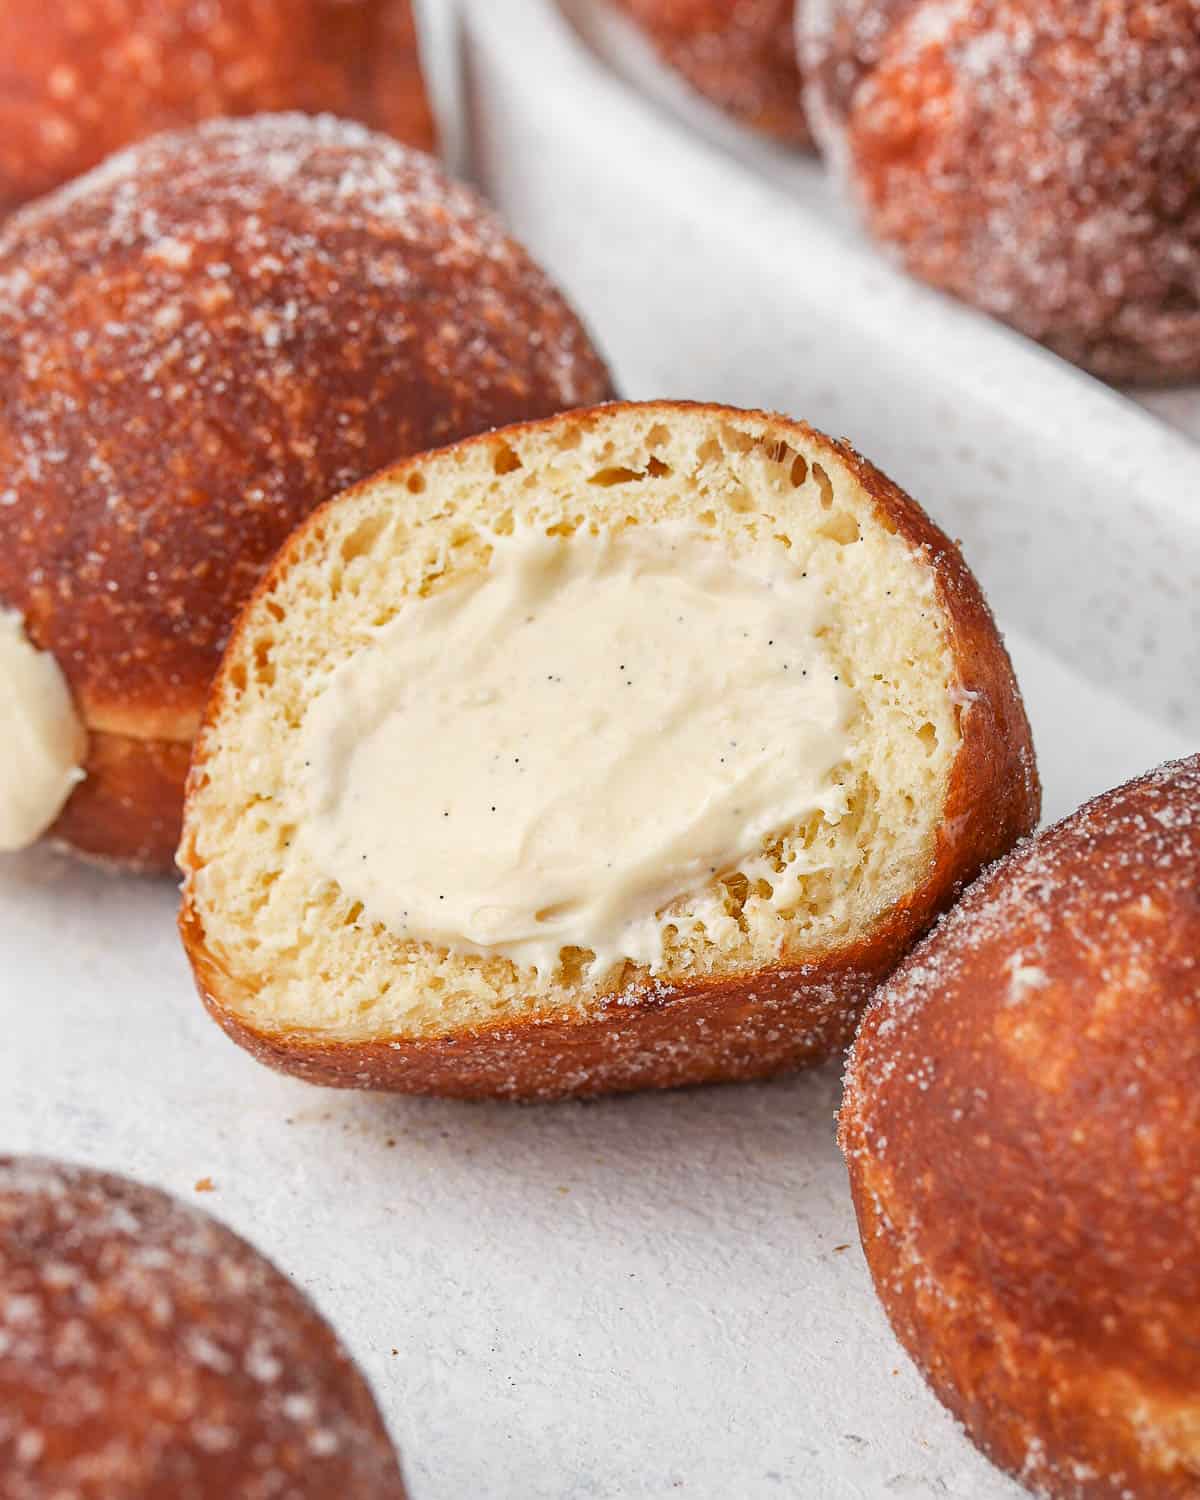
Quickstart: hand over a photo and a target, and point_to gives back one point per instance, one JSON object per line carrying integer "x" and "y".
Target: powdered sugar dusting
{"x": 145, "y": 1350}
{"x": 209, "y": 335}
{"x": 1135, "y": 847}
{"x": 83, "y": 79}
{"x": 1039, "y": 161}
{"x": 742, "y": 56}
{"x": 1022, "y": 1127}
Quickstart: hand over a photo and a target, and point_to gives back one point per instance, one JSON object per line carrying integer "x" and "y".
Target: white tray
{"x": 658, "y": 1295}
{"x": 612, "y": 36}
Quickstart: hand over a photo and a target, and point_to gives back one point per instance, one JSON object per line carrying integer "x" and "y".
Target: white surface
{"x": 640, "y": 1297}
{"x": 660, "y": 1295}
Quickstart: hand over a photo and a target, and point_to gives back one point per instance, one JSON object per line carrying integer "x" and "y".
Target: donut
{"x": 148, "y": 1352}
{"x": 1022, "y": 1128}
{"x": 741, "y": 56}
{"x": 82, "y": 79}
{"x": 1038, "y": 161}
{"x": 199, "y": 342}
{"x": 626, "y": 749}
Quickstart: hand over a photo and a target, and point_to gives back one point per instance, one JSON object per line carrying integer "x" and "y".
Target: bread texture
{"x": 149, "y": 1353}
{"x": 942, "y": 777}
{"x": 741, "y": 56}
{"x": 201, "y": 341}
{"x": 1038, "y": 161}
{"x": 84, "y": 79}
{"x": 1022, "y": 1129}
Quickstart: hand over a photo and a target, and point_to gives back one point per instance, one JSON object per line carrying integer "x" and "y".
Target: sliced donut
{"x": 625, "y": 749}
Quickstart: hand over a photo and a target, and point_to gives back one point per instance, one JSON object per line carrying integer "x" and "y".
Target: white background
{"x": 658, "y": 1295}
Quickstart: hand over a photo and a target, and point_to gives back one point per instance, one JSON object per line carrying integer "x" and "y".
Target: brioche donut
{"x": 1022, "y": 1128}
{"x": 1040, "y": 161}
{"x": 199, "y": 342}
{"x": 626, "y": 749}
{"x": 148, "y": 1352}
{"x": 739, "y": 55}
{"x": 82, "y": 79}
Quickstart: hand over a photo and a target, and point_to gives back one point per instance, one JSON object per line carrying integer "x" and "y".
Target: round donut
{"x": 1039, "y": 161}
{"x": 199, "y": 342}
{"x": 82, "y": 79}
{"x": 146, "y": 1351}
{"x": 1022, "y": 1128}
{"x": 767, "y": 950}
{"x": 741, "y": 56}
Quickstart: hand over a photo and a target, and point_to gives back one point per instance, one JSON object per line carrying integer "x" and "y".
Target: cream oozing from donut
{"x": 42, "y": 741}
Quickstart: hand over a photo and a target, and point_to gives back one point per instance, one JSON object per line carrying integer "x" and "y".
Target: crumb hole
{"x": 416, "y": 483}
{"x": 505, "y": 460}
{"x": 264, "y": 667}
{"x": 841, "y": 527}
{"x": 927, "y": 734}
{"x": 362, "y": 538}
{"x": 824, "y": 484}
{"x": 799, "y": 472}
{"x": 657, "y": 469}
{"x": 617, "y": 474}
{"x": 573, "y": 963}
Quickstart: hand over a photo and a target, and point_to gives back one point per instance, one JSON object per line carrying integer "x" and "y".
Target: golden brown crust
{"x": 127, "y": 811}
{"x": 742, "y": 56}
{"x": 199, "y": 343}
{"x": 1036, "y": 160}
{"x": 79, "y": 81}
{"x": 797, "y": 1012}
{"x": 149, "y": 1353}
{"x": 1022, "y": 1128}
{"x": 399, "y": 102}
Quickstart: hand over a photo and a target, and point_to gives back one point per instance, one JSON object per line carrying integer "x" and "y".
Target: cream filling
{"x": 546, "y": 754}
{"x": 42, "y": 742}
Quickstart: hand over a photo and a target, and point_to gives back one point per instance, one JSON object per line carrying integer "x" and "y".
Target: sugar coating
{"x": 1039, "y": 161}
{"x": 209, "y": 335}
{"x": 86, "y": 78}
{"x": 1124, "y": 857}
{"x": 765, "y": 963}
{"x": 148, "y": 1352}
{"x": 1022, "y": 1127}
{"x": 742, "y": 56}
